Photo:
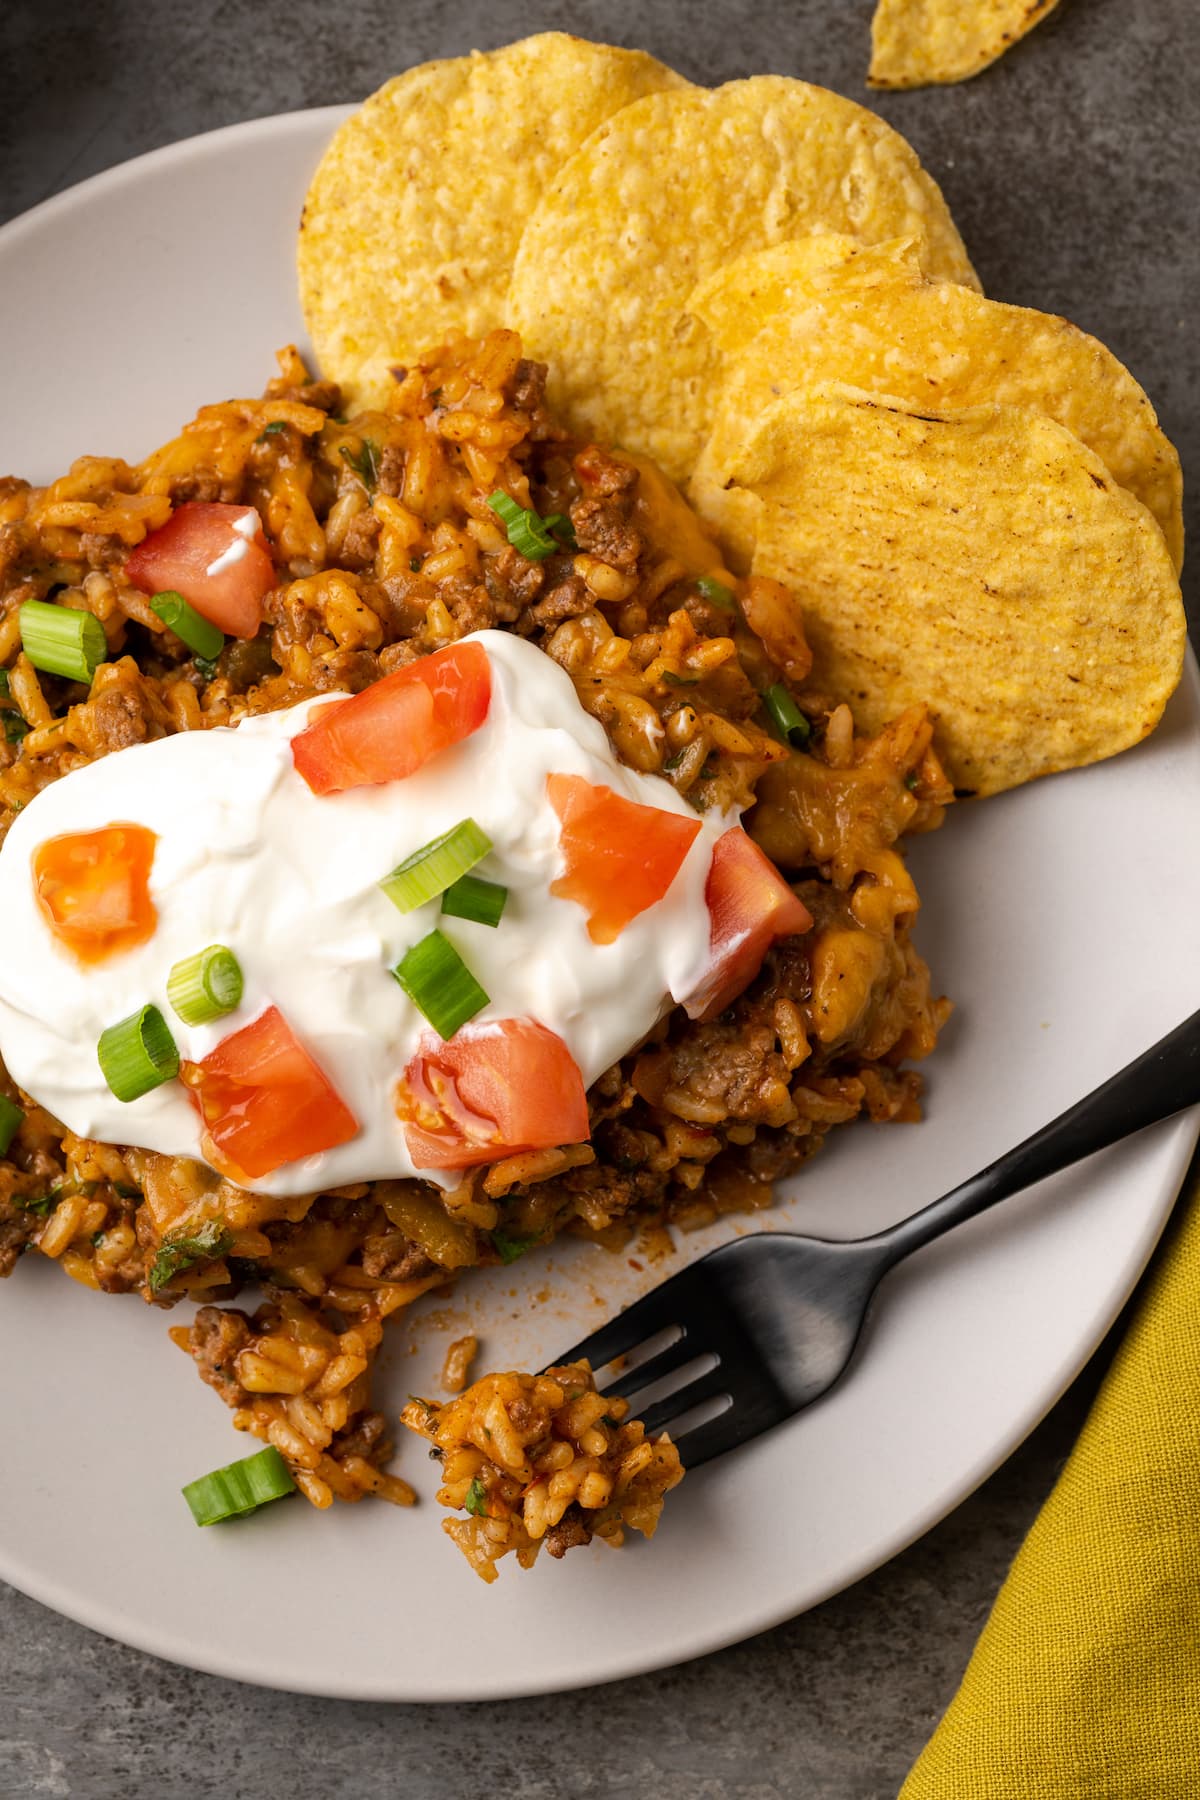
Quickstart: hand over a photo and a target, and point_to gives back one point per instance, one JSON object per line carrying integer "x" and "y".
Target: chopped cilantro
{"x": 673, "y": 680}
{"x": 910, "y": 781}
{"x": 476, "y": 1500}
{"x": 205, "y": 666}
{"x": 15, "y": 727}
{"x": 97, "y": 1239}
{"x": 716, "y": 593}
{"x": 509, "y": 1245}
{"x": 607, "y": 1419}
{"x": 414, "y": 563}
{"x": 364, "y": 462}
{"x": 41, "y": 1204}
{"x": 5, "y": 687}
{"x": 673, "y": 762}
{"x": 271, "y": 430}
{"x": 180, "y": 1251}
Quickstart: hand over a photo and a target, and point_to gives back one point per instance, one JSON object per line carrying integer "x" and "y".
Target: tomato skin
{"x": 263, "y": 1101}
{"x": 394, "y": 726}
{"x": 93, "y": 889}
{"x": 509, "y": 1086}
{"x": 750, "y": 905}
{"x": 621, "y": 857}
{"x": 179, "y": 554}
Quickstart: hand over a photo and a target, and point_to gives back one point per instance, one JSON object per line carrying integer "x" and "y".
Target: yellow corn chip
{"x": 672, "y": 187}
{"x": 748, "y": 292}
{"x": 917, "y": 42}
{"x": 983, "y": 561}
{"x": 414, "y": 215}
{"x": 870, "y": 318}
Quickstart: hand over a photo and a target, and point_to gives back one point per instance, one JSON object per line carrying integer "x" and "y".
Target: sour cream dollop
{"x": 249, "y": 857}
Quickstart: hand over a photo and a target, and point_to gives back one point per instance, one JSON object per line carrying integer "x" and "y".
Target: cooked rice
{"x": 386, "y": 549}
{"x": 543, "y": 1460}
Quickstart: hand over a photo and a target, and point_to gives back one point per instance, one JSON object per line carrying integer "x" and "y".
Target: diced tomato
{"x": 200, "y": 553}
{"x": 750, "y": 905}
{"x": 621, "y": 857}
{"x": 93, "y": 888}
{"x": 503, "y": 1088}
{"x": 263, "y": 1101}
{"x": 394, "y": 726}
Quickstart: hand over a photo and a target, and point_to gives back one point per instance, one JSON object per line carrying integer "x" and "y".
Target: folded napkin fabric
{"x": 1085, "y": 1684}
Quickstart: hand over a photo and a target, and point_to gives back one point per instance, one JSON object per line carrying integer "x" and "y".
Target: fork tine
{"x": 714, "y": 1381}
{"x": 714, "y": 1437}
{"x": 661, "y": 1307}
{"x": 685, "y": 1349}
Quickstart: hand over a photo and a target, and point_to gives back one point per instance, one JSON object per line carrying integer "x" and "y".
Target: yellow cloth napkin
{"x": 1085, "y": 1684}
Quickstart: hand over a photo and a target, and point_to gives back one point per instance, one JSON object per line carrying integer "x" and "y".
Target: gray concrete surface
{"x": 1071, "y": 169}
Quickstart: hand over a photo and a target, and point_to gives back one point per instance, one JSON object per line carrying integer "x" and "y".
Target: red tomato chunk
{"x": 264, "y": 1102}
{"x": 750, "y": 905}
{"x": 93, "y": 889}
{"x": 504, "y": 1088}
{"x": 394, "y": 726}
{"x": 620, "y": 857}
{"x": 219, "y": 570}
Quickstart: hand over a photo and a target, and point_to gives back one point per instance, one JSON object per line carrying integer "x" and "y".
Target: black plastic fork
{"x": 781, "y": 1314}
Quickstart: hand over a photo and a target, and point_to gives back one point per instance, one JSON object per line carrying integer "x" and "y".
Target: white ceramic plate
{"x": 1062, "y": 919}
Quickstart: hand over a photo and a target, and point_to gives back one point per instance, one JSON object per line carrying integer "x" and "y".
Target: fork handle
{"x": 1163, "y": 1081}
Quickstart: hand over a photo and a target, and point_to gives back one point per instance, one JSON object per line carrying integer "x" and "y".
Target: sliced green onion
{"x": 559, "y": 526}
{"x": 470, "y": 897}
{"x": 526, "y": 532}
{"x": 239, "y": 1488}
{"x": 786, "y": 716}
{"x": 60, "y": 641}
{"x": 138, "y": 1054}
{"x": 198, "y": 633}
{"x": 10, "y": 1119}
{"x": 716, "y": 593}
{"x": 439, "y": 983}
{"x": 206, "y": 986}
{"x": 429, "y": 871}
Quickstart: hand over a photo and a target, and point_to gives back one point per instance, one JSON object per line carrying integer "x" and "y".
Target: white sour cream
{"x": 249, "y": 857}
{"x": 245, "y": 530}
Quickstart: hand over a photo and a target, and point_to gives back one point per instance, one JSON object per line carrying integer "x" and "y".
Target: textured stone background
{"x": 1070, "y": 167}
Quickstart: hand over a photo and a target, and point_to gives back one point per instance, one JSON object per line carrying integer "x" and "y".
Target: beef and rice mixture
{"x": 385, "y": 550}
{"x": 543, "y": 1462}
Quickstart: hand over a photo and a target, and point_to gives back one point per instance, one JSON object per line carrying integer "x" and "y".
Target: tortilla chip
{"x": 414, "y": 215}
{"x": 984, "y": 561}
{"x": 672, "y": 187}
{"x": 917, "y": 42}
{"x": 748, "y": 292}
{"x": 870, "y": 318}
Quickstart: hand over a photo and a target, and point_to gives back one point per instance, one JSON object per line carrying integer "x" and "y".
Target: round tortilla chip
{"x": 869, "y": 317}
{"x": 915, "y": 43}
{"x": 747, "y": 293}
{"x": 983, "y": 561}
{"x": 414, "y": 215}
{"x": 672, "y": 187}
